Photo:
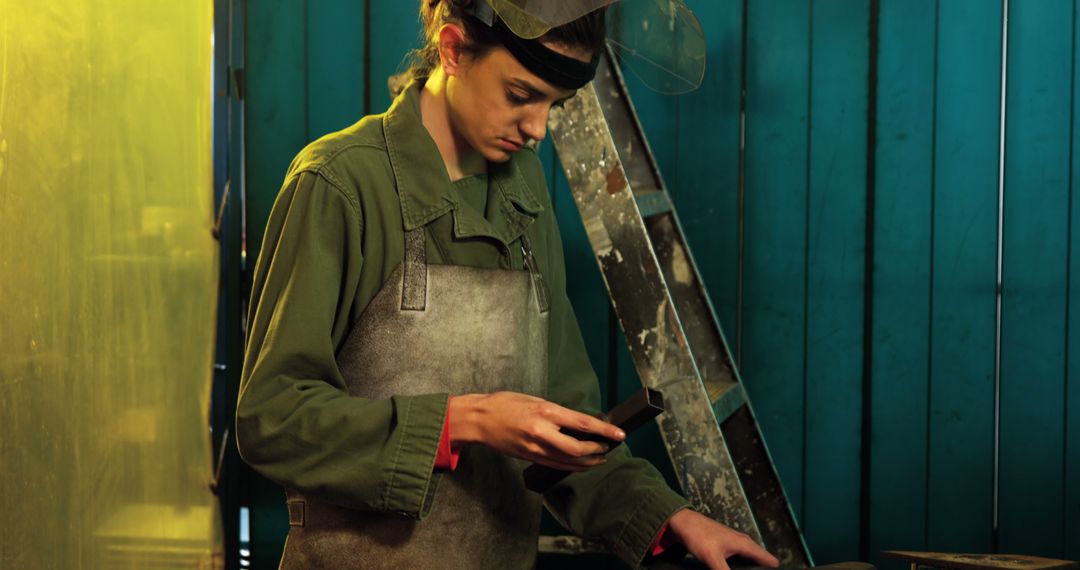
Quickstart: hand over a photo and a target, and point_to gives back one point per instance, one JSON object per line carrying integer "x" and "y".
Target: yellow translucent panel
{"x": 107, "y": 285}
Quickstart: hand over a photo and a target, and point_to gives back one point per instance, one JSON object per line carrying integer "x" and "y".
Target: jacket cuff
{"x": 446, "y": 458}
{"x": 662, "y": 542}
{"x": 412, "y": 480}
{"x": 644, "y": 525}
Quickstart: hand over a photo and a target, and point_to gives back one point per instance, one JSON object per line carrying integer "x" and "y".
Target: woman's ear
{"x": 451, "y": 48}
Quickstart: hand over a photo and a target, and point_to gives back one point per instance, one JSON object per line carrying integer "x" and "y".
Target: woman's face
{"x": 498, "y": 106}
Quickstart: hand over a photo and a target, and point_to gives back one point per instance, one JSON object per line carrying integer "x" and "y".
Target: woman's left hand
{"x": 712, "y": 542}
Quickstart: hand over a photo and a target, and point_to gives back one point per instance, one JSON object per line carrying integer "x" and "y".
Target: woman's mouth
{"x": 509, "y": 145}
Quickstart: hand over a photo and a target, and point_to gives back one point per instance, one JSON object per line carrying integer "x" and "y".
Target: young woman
{"x": 415, "y": 256}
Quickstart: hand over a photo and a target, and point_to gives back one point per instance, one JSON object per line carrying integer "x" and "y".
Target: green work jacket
{"x": 335, "y": 234}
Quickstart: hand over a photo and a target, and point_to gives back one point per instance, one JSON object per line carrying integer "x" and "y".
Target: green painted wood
{"x": 836, "y": 277}
{"x": 276, "y": 129}
{"x": 552, "y": 167}
{"x": 960, "y": 471}
{"x": 1071, "y": 530}
{"x": 903, "y": 192}
{"x": 774, "y": 335}
{"x": 705, "y": 185}
{"x": 1033, "y": 319}
{"x": 395, "y": 30}
{"x": 659, "y": 119}
{"x": 658, "y": 113}
{"x": 335, "y": 65}
{"x": 935, "y": 232}
{"x": 275, "y": 105}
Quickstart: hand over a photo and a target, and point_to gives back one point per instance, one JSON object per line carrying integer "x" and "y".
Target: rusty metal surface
{"x": 674, "y": 338}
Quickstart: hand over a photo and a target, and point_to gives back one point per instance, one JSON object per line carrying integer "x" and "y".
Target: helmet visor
{"x": 531, "y": 19}
{"x": 660, "y": 41}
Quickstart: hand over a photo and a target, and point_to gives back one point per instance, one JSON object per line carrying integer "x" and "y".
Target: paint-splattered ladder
{"x": 674, "y": 337}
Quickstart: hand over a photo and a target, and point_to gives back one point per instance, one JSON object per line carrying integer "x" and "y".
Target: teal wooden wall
{"x": 838, "y": 178}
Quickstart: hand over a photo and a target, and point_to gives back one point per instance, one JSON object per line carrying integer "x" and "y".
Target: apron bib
{"x": 439, "y": 328}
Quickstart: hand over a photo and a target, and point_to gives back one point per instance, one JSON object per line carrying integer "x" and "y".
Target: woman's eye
{"x": 516, "y": 99}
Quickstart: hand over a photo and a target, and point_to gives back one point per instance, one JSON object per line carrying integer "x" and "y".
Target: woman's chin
{"x": 497, "y": 155}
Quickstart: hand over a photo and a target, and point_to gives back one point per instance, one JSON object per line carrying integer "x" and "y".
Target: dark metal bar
{"x": 631, "y": 414}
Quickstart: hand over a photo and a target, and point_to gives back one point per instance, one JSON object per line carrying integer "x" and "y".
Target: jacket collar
{"x": 424, "y": 187}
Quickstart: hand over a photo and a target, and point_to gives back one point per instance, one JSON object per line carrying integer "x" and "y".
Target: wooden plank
{"x": 275, "y": 106}
{"x": 773, "y": 343}
{"x": 902, "y": 249}
{"x": 275, "y": 130}
{"x": 964, "y": 268}
{"x": 395, "y": 30}
{"x": 836, "y": 277}
{"x": 1035, "y": 256}
{"x": 335, "y": 65}
{"x": 707, "y": 172}
{"x": 658, "y": 112}
{"x": 1071, "y": 528}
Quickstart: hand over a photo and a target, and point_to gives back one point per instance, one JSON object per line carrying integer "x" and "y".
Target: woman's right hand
{"x": 528, "y": 428}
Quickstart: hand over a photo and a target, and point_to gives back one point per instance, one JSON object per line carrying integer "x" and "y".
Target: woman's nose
{"x": 534, "y": 126}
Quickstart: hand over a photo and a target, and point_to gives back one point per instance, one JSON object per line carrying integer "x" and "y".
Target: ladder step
{"x": 652, "y": 203}
{"x": 729, "y": 402}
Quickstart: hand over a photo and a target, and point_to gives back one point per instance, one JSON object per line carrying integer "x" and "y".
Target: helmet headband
{"x": 551, "y": 66}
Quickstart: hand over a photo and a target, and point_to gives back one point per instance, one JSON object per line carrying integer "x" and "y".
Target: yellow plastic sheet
{"x": 107, "y": 285}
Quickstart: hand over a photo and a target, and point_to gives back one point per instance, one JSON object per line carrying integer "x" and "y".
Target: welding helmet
{"x": 660, "y": 41}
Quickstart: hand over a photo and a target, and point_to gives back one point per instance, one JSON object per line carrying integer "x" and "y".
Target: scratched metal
{"x": 657, "y": 343}
{"x": 674, "y": 337}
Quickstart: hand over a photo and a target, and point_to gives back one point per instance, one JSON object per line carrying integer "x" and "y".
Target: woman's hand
{"x": 713, "y": 543}
{"x": 528, "y": 428}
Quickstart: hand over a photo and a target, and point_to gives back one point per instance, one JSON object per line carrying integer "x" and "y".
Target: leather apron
{"x": 430, "y": 329}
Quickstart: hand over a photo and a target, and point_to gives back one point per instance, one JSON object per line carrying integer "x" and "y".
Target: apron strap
{"x": 543, "y": 296}
{"x": 414, "y": 282}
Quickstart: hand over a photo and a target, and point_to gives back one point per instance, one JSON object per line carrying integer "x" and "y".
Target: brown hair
{"x": 587, "y": 32}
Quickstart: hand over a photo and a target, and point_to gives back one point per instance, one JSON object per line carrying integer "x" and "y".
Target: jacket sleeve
{"x": 295, "y": 423}
{"x": 625, "y": 502}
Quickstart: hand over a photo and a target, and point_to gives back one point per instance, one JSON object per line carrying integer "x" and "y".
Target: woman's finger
{"x": 573, "y": 447}
{"x": 560, "y": 454}
{"x": 750, "y": 549}
{"x": 568, "y": 419}
{"x": 713, "y": 559}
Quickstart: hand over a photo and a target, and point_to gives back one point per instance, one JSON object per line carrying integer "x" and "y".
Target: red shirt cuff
{"x": 446, "y": 458}
{"x": 663, "y": 541}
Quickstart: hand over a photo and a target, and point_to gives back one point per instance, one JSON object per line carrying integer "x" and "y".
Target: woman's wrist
{"x": 464, "y": 414}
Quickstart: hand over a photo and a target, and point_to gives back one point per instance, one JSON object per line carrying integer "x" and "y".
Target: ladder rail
{"x": 675, "y": 339}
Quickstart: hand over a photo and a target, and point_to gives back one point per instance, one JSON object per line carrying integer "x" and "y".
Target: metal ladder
{"x": 675, "y": 341}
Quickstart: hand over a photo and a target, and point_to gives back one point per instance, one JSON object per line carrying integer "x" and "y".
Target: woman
{"x": 415, "y": 255}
